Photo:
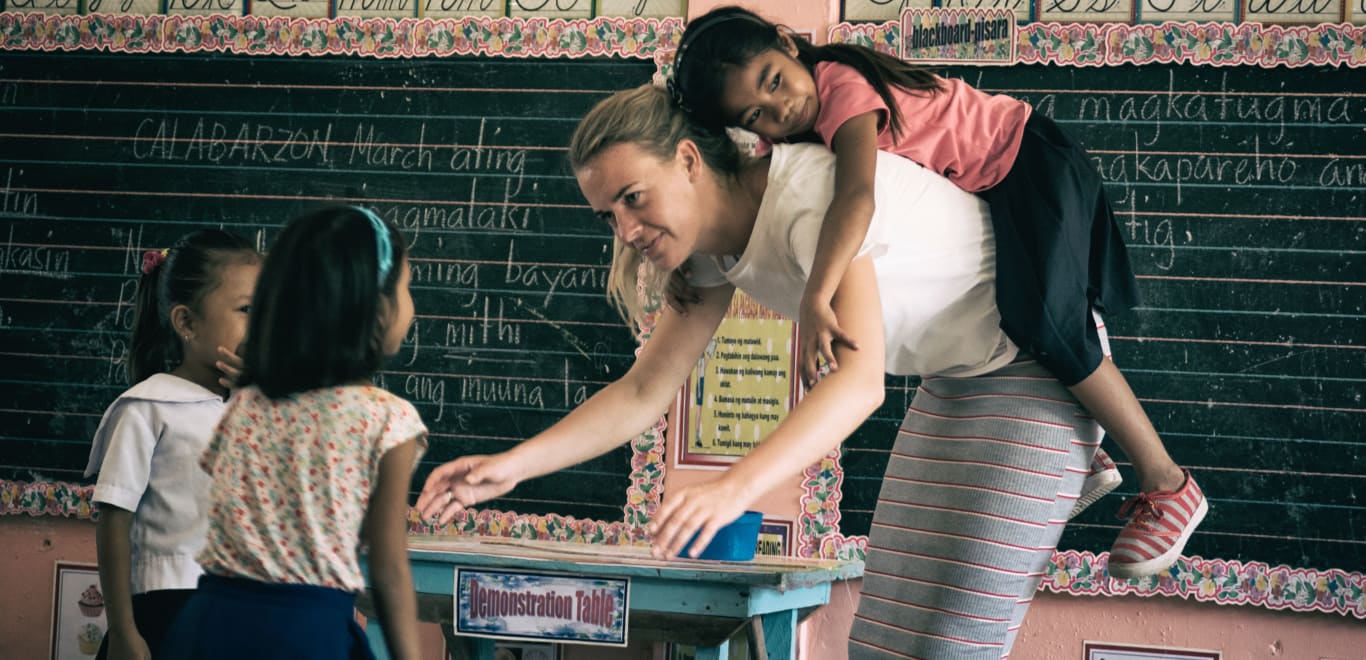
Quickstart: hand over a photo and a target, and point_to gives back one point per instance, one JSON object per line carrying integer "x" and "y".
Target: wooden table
{"x": 696, "y": 602}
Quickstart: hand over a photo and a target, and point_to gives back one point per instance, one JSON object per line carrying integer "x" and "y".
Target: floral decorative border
{"x": 1216, "y": 580}
{"x": 46, "y": 498}
{"x": 1109, "y": 44}
{"x": 371, "y": 37}
{"x": 819, "y": 519}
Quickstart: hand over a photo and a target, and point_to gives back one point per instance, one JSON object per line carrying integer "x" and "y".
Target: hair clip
{"x": 676, "y": 93}
{"x": 152, "y": 260}
{"x": 384, "y": 251}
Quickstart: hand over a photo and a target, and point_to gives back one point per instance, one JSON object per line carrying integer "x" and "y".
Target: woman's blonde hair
{"x": 645, "y": 117}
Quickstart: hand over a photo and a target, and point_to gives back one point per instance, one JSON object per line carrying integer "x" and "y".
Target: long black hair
{"x": 315, "y": 318}
{"x": 727, "y": 38}
{"x": 179, "y": 275}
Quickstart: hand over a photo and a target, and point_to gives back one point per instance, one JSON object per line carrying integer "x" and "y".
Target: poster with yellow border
{"x": 744, "y": 384}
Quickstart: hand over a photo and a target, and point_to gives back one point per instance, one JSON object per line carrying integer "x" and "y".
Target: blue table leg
{"x": 376, "y": 637}
{"x": 780, "y": 634}
{"x": 719, "y": 652}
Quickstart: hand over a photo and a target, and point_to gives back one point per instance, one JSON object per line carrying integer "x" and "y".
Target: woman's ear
{"x": 182, "y": 322}
{"x": 689, "y": 157}
{"x": 785, "y": 38}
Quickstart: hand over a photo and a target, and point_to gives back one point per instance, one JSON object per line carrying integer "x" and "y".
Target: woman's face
{"x": 649, "y": 203}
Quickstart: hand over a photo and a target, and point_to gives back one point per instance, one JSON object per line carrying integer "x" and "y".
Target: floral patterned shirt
{"x": 292, "y": 481}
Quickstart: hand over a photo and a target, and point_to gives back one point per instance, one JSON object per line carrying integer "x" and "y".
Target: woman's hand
{"x": 230, "y": 364}
{"x": 703, "y": 508}
{"x": 465, "y": 482}
{"x": 819, "y": 330}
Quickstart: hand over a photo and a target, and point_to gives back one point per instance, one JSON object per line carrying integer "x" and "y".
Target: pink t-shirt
{"x": 968, "y": 136}
{"x": 292, "y": 481}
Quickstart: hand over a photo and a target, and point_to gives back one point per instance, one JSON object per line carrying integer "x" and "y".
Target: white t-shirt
{"x": 146, "y": 452}
{"x": 932, "y": 248}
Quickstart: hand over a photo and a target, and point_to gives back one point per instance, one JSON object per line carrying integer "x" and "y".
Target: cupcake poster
{"x": 77, "y": 611}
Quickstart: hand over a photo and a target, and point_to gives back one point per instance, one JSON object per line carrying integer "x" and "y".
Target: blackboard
{"x": 1241, "y": 192}
{"x": 1239, "y": 189}
{"x": 104, "y": 155}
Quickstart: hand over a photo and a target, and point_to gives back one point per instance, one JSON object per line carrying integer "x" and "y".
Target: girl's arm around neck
{"x": 825, "y": 416}
{"x": 842, "y": 232}
{"x": 386, "y": 532}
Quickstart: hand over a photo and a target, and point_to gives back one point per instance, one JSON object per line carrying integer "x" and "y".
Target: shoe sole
{"x": 1165, "y": 560}
{"x": 1095, "y": 487}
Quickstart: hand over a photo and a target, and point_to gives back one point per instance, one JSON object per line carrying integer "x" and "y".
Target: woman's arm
{"x": 610, "y": 417}
{"x": 113, "y": 547}
{"x": 842, "y": 232}
{"x": 828, "y": 414}
{"x": 386, "y": 532}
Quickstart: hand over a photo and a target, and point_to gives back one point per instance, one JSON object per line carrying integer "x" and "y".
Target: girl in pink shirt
{"x": 1059, "y": 255}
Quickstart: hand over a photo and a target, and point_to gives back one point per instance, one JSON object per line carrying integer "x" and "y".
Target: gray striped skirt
{"x": 977, "y": 490}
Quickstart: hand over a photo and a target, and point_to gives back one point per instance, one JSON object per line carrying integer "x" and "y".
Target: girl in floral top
{"x": 311, "y": 459}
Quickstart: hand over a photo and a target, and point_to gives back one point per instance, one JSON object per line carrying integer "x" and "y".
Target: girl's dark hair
{"x": 728, "y": 38}
{"x": 190, "y": 269}
{"x": 315, "y": 317}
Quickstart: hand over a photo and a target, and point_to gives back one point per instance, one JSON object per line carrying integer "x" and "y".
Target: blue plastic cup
{"x": 734, "y": 542}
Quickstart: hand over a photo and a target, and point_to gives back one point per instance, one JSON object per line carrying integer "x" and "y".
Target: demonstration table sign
{"x": 958, "y": 36}
{"x": 522, "y": 605}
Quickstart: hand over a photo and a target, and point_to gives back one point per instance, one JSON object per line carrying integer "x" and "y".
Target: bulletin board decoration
{"x": 1220, "y": 581}
{"x": 820, "y": 510}
{"x": 1109, "y": 44}
{"x": 46, "y": 498}
{"x": 370, "y": 37}
{"x": 743, "y": 386}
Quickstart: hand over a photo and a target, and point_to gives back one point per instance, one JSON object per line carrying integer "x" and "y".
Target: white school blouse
{"x": 146, "y": 453}
{"x": 931, "y": 244}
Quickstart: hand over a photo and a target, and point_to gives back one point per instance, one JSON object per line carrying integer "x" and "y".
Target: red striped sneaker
{"x": 1159, "y": 525}
{"x": 1102, "y": 479}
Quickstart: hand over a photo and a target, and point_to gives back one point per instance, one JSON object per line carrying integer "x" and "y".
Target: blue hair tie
{"x": 384, "y": 250}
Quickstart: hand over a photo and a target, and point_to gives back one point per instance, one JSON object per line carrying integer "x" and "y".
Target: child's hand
{"x": 230, "y": 365}
{"x": 819, "y": 331}
{"x": 465, "y": 482}
{"x": 679, "y": 293}
{"x": 703, "y": 508}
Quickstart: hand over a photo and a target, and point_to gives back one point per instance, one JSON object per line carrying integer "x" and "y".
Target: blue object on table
{"x": 734, "y": 542}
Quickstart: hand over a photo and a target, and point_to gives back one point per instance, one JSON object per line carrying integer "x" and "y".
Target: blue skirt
{"x": 1059, "y": 252}
{"x": 234, "y": 618}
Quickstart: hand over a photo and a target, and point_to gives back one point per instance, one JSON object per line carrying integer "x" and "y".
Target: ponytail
{"x": 153, "y": 344}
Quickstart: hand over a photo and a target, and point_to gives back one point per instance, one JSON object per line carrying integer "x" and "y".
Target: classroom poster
{"x": 77, "y": 611}
{"x": 742, "y": 387}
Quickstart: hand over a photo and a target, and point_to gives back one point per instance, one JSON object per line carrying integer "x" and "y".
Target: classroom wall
{"x": 1056, "y": 627}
